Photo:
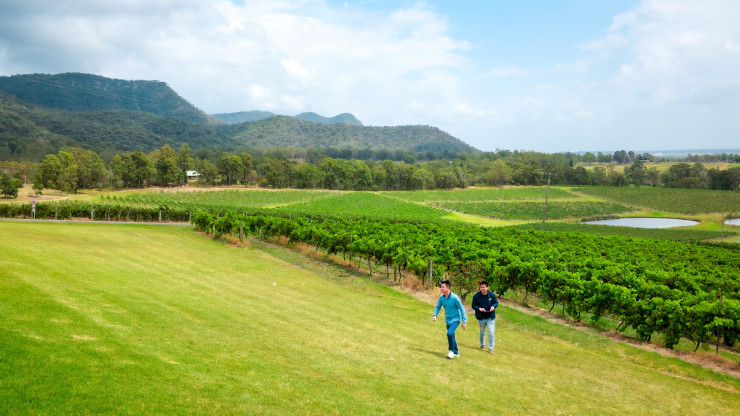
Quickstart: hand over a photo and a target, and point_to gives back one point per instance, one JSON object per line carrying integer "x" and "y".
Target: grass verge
{"x": 141, "y": 319}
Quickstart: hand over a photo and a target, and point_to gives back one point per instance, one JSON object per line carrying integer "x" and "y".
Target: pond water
{"x": 645, "y": 222}
{"x": 735, "y": 221}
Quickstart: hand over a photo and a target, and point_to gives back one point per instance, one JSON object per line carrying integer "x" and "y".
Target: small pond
{"x": 735, "y": 221}
{"x": 645, "y": 222}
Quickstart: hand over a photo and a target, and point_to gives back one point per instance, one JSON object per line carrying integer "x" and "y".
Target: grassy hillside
{"x": 141, "y": 319}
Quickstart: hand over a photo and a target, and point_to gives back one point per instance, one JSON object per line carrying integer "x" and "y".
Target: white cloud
{"x": 296, "y": 70}
{"x": 673, "y": 62}
{"x": 678, "y": 49}
{"x": 509, "y": 71}
{"x": 224, "y": 56}
{"x": 664, "y": 75}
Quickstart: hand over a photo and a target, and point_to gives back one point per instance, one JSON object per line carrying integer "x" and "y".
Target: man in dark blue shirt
{"x": 484, "y": 305}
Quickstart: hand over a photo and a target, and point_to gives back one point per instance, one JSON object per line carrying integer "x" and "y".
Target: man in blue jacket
{"x": 484, "y": 305}
{"x": 454, "y": 312}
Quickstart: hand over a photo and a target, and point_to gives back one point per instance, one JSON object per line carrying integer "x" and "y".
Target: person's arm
{"x": 462, "y": 311}
{"x": 475, "y": 305}
{"x": 495, "y": 300}
{"x": 436, "y": 309}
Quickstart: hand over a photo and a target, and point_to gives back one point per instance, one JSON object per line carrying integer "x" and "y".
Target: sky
{"x": 548, "y": 76}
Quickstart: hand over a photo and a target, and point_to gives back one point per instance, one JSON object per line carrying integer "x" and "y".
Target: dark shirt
{"x": 485, "y": 302}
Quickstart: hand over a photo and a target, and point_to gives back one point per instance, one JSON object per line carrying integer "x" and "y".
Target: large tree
{"x": 144, "y": 171}
{"x": 308, "y": 176}
{"x": 422, "y": 179}
{"x": 168, "y": 171}
{"x": 184, "y": 162}
{"x": 589, "y": 158}
{"x": 122, "y": 171}
{"x": 499, "y": 174}
{"x": 9, "y": 185}
{"x": 67, "y": 178}
{"x": 91, "y": 172}
{"x": 248, "y": 166}
{"x": 231, "y": 167}
{"x": 208, "y": 171}
{"x": 60, "y": 171}
{"x": 636, "y": 173}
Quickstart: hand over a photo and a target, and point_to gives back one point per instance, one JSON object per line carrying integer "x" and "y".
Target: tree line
{"x": 75, "y": 168}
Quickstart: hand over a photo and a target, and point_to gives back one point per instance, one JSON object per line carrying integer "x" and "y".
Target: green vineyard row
{"x": 679, "y": 290}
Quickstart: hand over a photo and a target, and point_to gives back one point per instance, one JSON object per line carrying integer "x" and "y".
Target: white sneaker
{"x": 457, "y": 355}
{"x": 450, "y": 355}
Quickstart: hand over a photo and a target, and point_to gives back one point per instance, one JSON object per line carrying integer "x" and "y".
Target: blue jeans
{"x": 451, "y": 342}
{"x": 489, "y": 323}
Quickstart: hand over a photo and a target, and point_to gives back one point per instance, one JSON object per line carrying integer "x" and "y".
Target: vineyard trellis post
{"x": 430, "y": 266}
{"x": 717, "y": 329}
{"x": 547, "y": 194}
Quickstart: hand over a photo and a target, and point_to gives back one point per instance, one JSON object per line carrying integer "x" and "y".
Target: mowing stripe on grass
{"x": 128, "y": 319}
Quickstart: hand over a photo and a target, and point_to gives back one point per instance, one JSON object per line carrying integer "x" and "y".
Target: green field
{"x": 234, "y": 198}
{"x": 674, "y": 234}
{"x": 365, "y": 205}
{"x": 482, "y": 194}
{"x": 143, "y": 319}
{"x": 534, "y": 210}
{"x": 661, "y": 167}
{"x": 686, "y": 201}
{"x": 290, "y": 202}
{"x": 482, "y": 206}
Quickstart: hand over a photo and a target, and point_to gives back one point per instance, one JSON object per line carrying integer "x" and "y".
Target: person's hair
{"x": 482, "y": 282}
{"x": 445, "y": 282}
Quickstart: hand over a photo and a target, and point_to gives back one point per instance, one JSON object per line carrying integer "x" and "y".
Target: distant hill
{"x": 345, "y": 118}
{"x": 248, "y": 116}
{"x": 242, "y": 116}
{"x": 29, "y": 133}
{"x": 293, "y": 132}
{"x": 85, "y": 92}
{"x": 41, "y": 114}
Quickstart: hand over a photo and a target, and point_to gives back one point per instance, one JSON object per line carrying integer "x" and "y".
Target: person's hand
{"x": 492, "y": 309}
{"x": 464, "y": 326}
{"x": 434, "y": 318}
{"x": 481, "y": 309}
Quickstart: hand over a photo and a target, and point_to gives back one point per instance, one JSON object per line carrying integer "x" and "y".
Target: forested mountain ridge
{"x": 41, "y": 114}
{"x": 345, "y": 118}
{"x": 242, "y": 116}
{"x": 29, "y": 133}
{"x": 86, "y": 92}
{"x": 22, "y": 139}
{"x": 292, "y": 132}
{"x": 248, "y": 116}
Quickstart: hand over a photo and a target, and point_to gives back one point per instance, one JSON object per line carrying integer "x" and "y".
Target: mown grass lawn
{"x": 145, "y": 319}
